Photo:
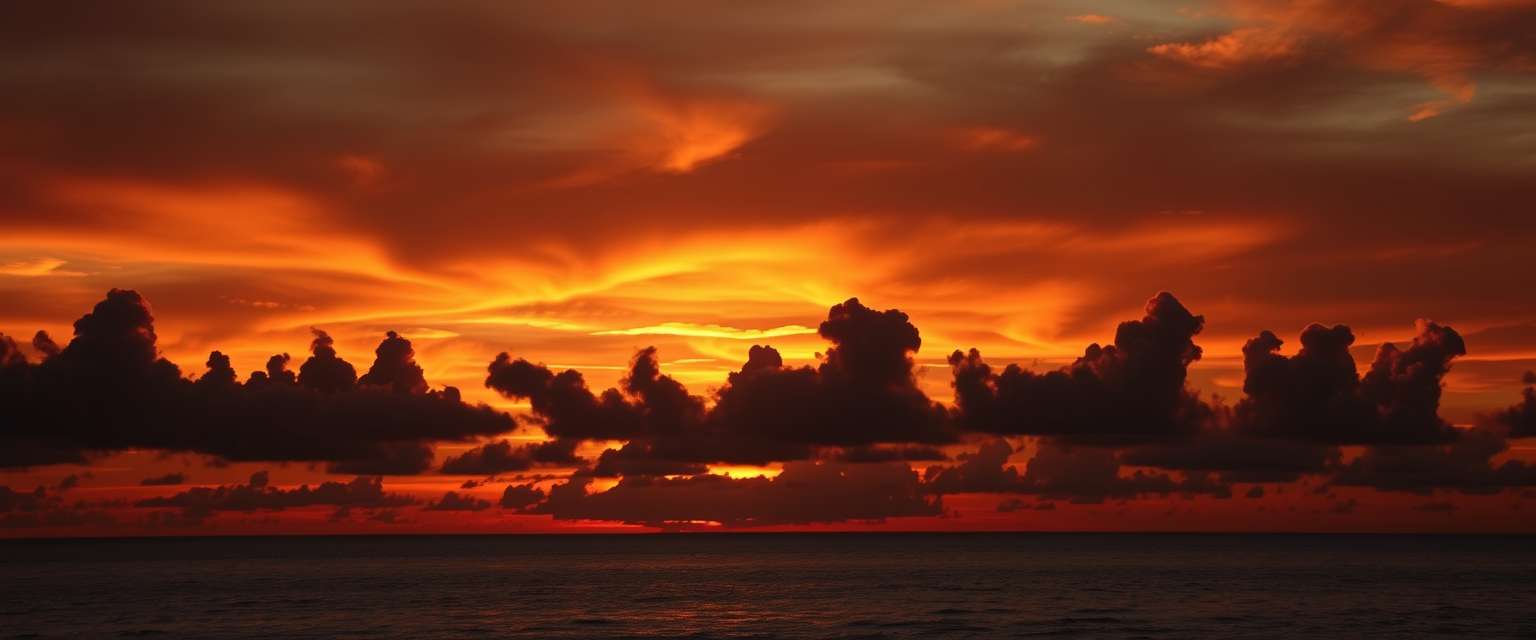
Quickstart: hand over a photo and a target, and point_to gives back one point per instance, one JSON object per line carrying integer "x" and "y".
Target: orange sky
{"x": 572, "y": 183}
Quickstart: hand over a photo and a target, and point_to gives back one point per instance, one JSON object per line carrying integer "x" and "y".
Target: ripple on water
{"x": 781, "y": 587}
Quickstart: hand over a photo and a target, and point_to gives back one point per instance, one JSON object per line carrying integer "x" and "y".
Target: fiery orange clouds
{"x": 569, "y": 184}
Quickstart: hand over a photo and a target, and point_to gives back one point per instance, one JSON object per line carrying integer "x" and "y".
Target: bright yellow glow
{"x": 708, "y": 331}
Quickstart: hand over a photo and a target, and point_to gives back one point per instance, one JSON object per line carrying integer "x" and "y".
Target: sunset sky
{"x": 572, "y": 183}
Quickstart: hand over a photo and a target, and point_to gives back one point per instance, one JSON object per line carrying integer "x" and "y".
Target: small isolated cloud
{"x": 1091, "y": 18}
{"x": 36, "y": 267}
{"x": 994, "y": 139}
{"x": 1240, "y": 47}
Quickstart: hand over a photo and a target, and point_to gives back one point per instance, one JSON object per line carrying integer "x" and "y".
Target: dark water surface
{"x": 773, "y": 586}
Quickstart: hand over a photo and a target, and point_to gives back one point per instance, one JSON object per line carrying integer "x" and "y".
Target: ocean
{"x": 773, "y": 586}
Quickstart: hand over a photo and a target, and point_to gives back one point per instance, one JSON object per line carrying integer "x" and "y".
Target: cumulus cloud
{"x": 646, "y": 403}
{"x": 1132, "y": 390}
{"x": 862, "y": 394}
{"x": 1316, "y": 395}
{"x": 394, "y": 367}
{"x": 109, "y": 389}
{"x": 1118, "y": 423}
{"x": 324, "y": 371}
{"x": 1109, "y": 422}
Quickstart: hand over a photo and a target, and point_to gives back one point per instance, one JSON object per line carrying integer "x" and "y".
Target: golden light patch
{"x": 708, "y": 331}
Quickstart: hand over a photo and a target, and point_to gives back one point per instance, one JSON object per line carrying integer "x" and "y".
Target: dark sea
{"x": 773, "y": 586}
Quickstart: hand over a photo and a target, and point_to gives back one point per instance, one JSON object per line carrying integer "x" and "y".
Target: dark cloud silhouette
{"x": 358, "y": 429}
{"x": 1520, "y": 419}
{"x": 45, "y": 344}
{"x": 455, "y": 501}
{"x": 21, "y": 446}
{"x": 864, "y": 391}
{"x": 395, "y": 368}
{"x": 12, "y": 500}
{"x": 168, "y": 479}
{"x": 1464, "y": 465}
{"x": 646, "y": 403}
{"x": 40, "y": 508}
{"x": 1117, "y": 424}
{"x": 888, "y": 453}
{"x": 324, "y": 371}
{"x": 805, "y": 492}
{"x": 501, "y": 456}
{"x": 10, "y": 354}
{"x": 638, "y": 459}
{"x": 1119, "y": 406}
{"x": 197, "y": 502}
{"x": 1237, "y": 457}
{"x": 1083, "y": 475}
{"x": 1130, "y": 391}
{"x": 383, "y": 458}
{"x": 1299, "y": 408}
{"x": 219, "y": 373}
{"x": 1316, "y": 395}
{"x": 1011, "y": 505}
{"x": 1089, "y": 475}
{"x": 984, "y": 471}
{"x": 276, "y": 372}
{"x": 109, "y": 389}
{"x": 521, "y": 496}
{"x": 862, "y": 394}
